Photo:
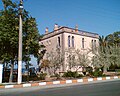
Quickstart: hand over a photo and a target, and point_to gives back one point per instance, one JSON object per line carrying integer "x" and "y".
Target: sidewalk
{"x": 59, "y": 82}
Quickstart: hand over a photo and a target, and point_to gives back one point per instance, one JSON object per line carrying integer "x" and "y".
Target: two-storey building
{"x": 64, "y": 38}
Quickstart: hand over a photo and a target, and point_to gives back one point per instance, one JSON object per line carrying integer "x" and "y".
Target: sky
{"x": 98, "y": 16}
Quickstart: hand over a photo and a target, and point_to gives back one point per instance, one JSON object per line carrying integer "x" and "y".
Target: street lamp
{"x": 20, "y": 44}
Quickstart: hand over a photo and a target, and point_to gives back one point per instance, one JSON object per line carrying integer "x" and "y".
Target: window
{"x": 68, "y": 41}
{"x": 83, "y": 43}
{"x": 58, "y": 41}
{"x": 72, "y": 41}
{"x": 94, "y": 43}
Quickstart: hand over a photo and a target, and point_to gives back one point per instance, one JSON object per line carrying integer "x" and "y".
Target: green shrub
{"x": 97, "y": 73}
{"x": 56, "y": 75}
{"x": 72, "y": 74}
{"x": 42, "y": 76}
{"x": 68, "y": 74}
{"x": 79, "y": 76}
{"x": 26, "y": 78}
{"x": 33, "y": 77}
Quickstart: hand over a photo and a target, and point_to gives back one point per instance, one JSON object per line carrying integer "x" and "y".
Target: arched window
{"x": 83, "y": 43}
{"x": 92, "y": 44}
{"x": 72, "y": 41}
{"x": 68, "y": 41}
{"x": 58, "y": 41}
{"x": 95, "y": 43}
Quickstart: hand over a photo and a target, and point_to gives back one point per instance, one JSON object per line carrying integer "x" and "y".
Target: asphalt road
{"x": 110, "y": 88}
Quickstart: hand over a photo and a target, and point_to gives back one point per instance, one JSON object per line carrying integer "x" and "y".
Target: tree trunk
{"x": 11, "y": 72}
{"x": 104, "y": 70}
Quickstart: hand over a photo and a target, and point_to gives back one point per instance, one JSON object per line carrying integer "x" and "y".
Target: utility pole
{"x": 20, "y": 44}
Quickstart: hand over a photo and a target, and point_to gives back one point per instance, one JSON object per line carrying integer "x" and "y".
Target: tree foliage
{"x": 56, "y": 59}
{"x": 9, "y": 29}
{"x": 108, "y": 53}
{"x": 114, "y": 39}
{"x": 71, "y": 59}
{"x": 77, "y": 59}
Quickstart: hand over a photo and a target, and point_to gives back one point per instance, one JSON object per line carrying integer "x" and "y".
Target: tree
{"x": 102, "y": 42}
{"x": 8, "y": 34}
{"x": 83, "y": 59}
{"x": 9, "y": 28}
{"x": 115, "y": 55}
{"x": 45, "y": 63}
{"x": 77, "y": 59}
{"x": 56, "y": 59}
{"x": 40, "y": 56}
{"x": 104, "y": 59}
{"x": 108, "y": 52}
{"x": 71, "y": 59}
{"x": 101, "y": 59}
{"x": 114, "y": 39}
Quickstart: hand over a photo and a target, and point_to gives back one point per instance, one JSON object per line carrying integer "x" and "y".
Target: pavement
{"x": 59, "y": 82}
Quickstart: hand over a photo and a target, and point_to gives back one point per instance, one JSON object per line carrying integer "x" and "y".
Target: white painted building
{"x": 64, "y": 38}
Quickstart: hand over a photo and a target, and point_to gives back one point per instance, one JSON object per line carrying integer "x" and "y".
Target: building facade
{"x": 65, "y": 38}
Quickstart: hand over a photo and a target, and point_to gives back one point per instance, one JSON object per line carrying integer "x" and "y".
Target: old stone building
{"x": 65, "y": 38}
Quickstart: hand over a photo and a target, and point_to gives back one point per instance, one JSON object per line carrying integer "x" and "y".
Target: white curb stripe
{"x": 90, "y": 79}
{"x": 26, "y": 85}
{"x": 107, "y": 78}
{"x": 9, "y": 86}
{"x": 42, "y": 83}
{"x": 68, "y": 81}
{"x": 99, "y": 78}
{"x": 56, "y": 82}
{"x": 80, "y": 80}
{"x": 115, "y": 77}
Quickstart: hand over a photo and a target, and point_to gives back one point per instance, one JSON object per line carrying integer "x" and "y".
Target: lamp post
{"x": 20, "y": 44}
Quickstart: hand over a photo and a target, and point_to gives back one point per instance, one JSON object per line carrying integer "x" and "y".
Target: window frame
{"x": 83, "y": 43}
{"x": 69, "y": 41}
{"x": 58, "y": 41}
{"x": 73, "y": 41}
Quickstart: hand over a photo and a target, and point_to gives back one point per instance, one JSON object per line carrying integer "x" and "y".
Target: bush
{"x": 26, "y": 78}
{"x": 79, "y": 76}
{"x": 33, "y": 77}
{"x": 97, "y": 73}
{"x": 72, "y": 74}
{"x": 87, "y": 71}
{"x": 42, "y": 76}
{"x": 56, "y": 75}
{"x": 68, "y": 74}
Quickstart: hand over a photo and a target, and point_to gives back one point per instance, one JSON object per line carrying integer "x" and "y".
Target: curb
{"x": 85, "y": 80}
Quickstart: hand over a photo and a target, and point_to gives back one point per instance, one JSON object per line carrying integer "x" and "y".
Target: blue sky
{"x": 99, "y": 16}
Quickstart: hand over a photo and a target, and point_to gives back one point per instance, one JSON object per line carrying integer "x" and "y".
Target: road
{"x": 110, "y": 88}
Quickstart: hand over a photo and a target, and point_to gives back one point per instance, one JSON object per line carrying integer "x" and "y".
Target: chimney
{"x": 76, "y": 28}
{"x": 46, "y": 30}
{"x": 56, "y": 27}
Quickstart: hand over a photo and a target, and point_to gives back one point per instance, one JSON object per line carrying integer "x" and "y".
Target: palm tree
{"x": 102, "y": 42}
